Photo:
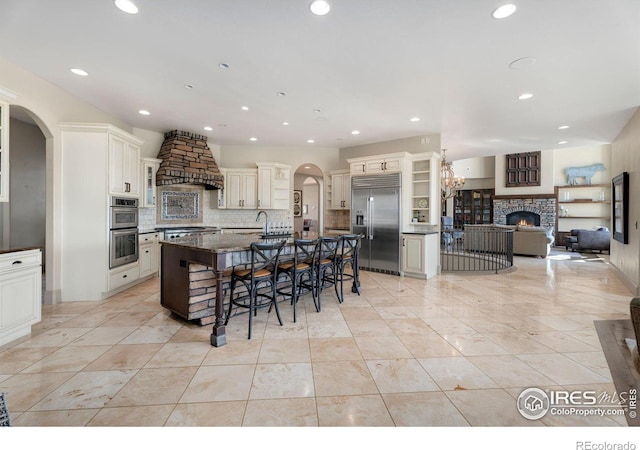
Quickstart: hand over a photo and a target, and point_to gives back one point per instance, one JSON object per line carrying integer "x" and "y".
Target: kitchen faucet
{"x": 266, "y": 221}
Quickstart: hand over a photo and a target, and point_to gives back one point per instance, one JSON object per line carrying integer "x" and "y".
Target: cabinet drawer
{"x": 121, "y": 277}
{"x": 16, "y": 260}
{"x": 148, "y": 238}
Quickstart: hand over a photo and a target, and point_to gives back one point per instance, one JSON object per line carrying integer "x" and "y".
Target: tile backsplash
{"x": 231, "y": 218}
{"x": 337, "y": 218}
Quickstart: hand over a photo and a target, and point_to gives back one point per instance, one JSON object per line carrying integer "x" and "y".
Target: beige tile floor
{"x": 456, "y": 350}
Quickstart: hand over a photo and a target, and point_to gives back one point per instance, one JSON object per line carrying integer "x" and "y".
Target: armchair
{"x": 449, "y": 235}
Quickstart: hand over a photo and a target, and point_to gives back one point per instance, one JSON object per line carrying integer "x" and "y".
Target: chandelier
{"x": 449, "y": 183}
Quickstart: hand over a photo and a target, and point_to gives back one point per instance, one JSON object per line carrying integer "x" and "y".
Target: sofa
{"x": 598, "y": 239}
{"x": 527, "y": 240}
{"x": 532, "y": 241}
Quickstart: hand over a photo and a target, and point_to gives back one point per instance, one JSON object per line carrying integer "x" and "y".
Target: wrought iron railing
{"x": 476, "y": 248}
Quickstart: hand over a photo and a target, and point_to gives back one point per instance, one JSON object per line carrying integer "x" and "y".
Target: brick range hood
{"x": 186, "y": 159}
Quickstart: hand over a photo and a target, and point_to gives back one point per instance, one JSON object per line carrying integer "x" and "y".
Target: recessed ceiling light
{"x": 208, "y": 128}
{"x": 320, "y": 7}
{"x": 188, "y": 86}
{"x": 563, "y": 127}
{"x": 127, "y": 6}
{"x": 525, "y": 96}
{"x": 562, "y": 142}
{"x": 310, "y": 141}
{"x": 245, "y": 108}
{"x": 317, "y": 111}
{"x": 355, "y": 132}
{"x": 307, "y": 167}
{"x": 504, "y": 11}
{"x": 523, "y": 63}
{"x": 223, "y": 65}
{"x": 415, "y": 119}
{"x": 253, "y": 139}
{"x": 281, "y": 94}
{"x": 144, "y": 112}
{"x": 285, "y": 123}
{"x": 80, "y": 72}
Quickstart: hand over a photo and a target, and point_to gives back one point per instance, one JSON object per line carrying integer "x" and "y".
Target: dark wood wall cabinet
{"x": 523, "y": 169}
{"x": 473, "y": 207}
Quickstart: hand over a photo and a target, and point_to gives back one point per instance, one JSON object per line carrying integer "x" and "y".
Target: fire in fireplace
{"x": 526, "y": 218}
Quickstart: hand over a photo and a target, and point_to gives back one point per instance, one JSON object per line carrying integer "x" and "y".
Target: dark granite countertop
{"x": 18, "y": 249}
{"x": 423, "y": 233}
{"x": 230, "y": 242}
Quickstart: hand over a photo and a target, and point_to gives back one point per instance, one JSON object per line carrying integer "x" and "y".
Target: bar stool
{"x": 347, "y": 255}
{"x": 326, "y": 265}
{"x": 259, "y": 277}
{"x": 300, "y": 270}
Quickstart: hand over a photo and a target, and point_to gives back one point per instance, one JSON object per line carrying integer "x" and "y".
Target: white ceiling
{"x": 369, "y": 65}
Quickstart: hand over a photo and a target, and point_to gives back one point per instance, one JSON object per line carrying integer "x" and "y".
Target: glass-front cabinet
{"x": 471, "y": 207}
{"x": 149, "y": 168}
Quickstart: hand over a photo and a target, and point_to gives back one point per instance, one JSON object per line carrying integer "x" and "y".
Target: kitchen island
{"x": 193, "y": 268}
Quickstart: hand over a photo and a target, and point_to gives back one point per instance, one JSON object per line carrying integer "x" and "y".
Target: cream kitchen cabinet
{"x": 124, "y": 167}
{"x": 241, "y": 189}
{"x": 377, "y": 164}
{"x": 121, "y": 277}
{"x": 423, "y": 190}
{"x": 273, "y": 186}
{"x": 420, "y": 255}
{"x": 149, "y": 191}
{"x": 149, "y": 254}
{"x": 84, "y": 227}
{"x": 340, "y": 190}
{"x": 20, "y": 293}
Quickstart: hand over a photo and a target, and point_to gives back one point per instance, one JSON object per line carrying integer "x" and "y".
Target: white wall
{"x": 246, "y": 156}
{"x": 546, "y": 177}
{"x": 625, "y": 157}
{"x": 582, "y": 156}
{"x": 472, "y": 168}
{"x": 416, "y": 144}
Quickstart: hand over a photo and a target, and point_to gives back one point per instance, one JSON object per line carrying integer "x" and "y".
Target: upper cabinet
{"x": 377, "y": 164}
{"x": 266, "y": 187}
{"x": 241, "y": 189}
{"x": 420, "y": 183}
{"x": 149, "y": 168}
{"x": 340, "y": 190}
{"x": 124, "y": 167}
{"x": 424, "y": 191}
{"x": 273, "y": 186}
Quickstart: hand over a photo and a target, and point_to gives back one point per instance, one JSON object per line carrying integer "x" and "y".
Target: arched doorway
{"x": 309, "y": 179}
{"x": 24, "y": 217}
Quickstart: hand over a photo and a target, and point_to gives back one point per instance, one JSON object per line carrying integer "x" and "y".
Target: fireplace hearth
{"x": 526, "y": 218}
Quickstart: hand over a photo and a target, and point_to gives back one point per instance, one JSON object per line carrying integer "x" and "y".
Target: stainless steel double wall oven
{"x": 123, "y": 234}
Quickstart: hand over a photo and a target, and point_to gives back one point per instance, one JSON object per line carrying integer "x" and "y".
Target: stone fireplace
{"x": 538, "y": 210}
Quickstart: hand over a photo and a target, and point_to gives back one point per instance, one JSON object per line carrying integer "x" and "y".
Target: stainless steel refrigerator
{"x": 375, "y": 214}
